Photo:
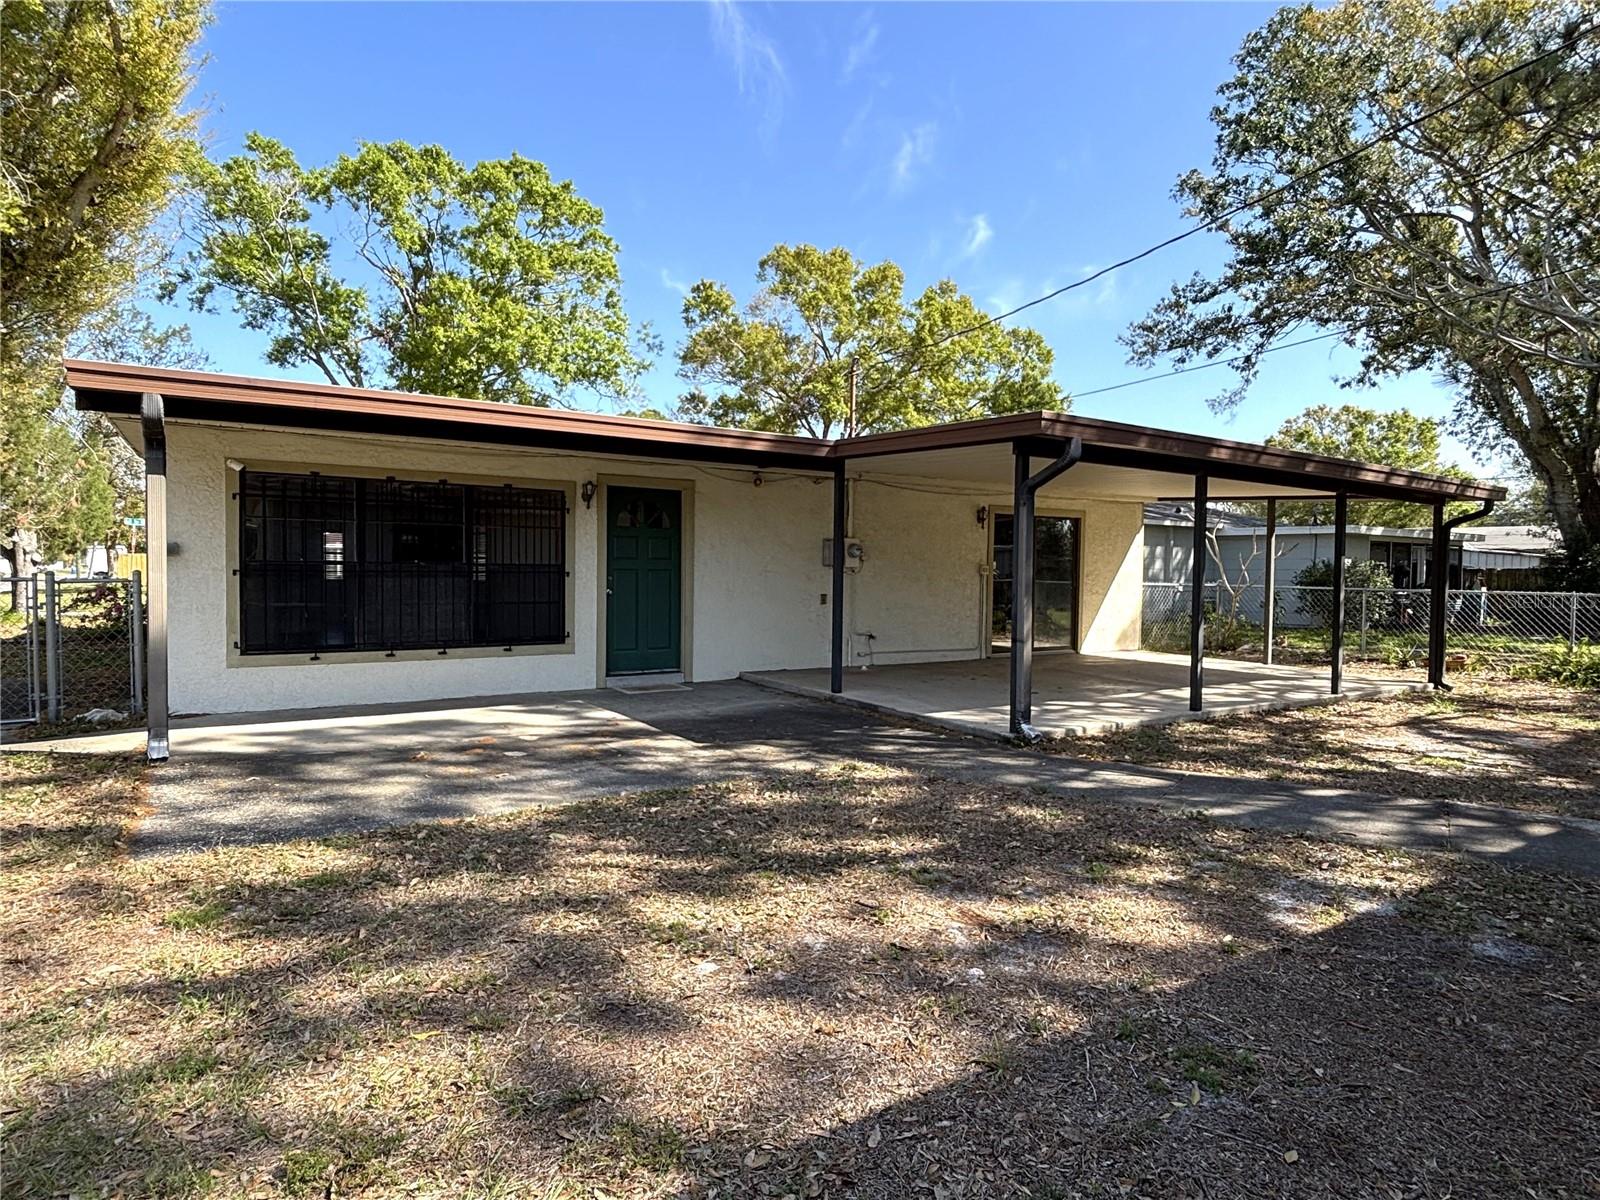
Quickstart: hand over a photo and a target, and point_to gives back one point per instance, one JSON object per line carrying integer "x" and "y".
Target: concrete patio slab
{"x": 1076, "y": 694}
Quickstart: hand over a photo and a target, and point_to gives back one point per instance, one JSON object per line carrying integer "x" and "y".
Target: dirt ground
{"x": 1493, "y": 740}
{"x": 857, "y": 983}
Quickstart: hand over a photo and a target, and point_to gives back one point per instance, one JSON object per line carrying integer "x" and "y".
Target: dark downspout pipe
{"x": 1341, "y": 523}
{"x": 1197, "y": 597}
{"x": 1439, "y": 584}
{"x": 840, "y": 501}
{"x": 1024, "y": 489}
{"x": 153, "y": 427}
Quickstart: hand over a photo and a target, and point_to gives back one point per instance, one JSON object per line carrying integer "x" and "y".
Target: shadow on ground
{"x": 853, "y": 982}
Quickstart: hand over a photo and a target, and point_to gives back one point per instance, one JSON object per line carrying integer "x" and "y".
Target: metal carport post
{"x": 1197, "y": 598}
{"x": 841, "y": 498}
{"x": 1024, "y": 488}
{"x": 152, "y": 424}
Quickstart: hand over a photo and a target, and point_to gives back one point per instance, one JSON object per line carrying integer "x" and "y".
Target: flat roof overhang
{"x": 1166, "y": 459}
{"x": 115, "y": 388}
{"x": 1150, "y": 463}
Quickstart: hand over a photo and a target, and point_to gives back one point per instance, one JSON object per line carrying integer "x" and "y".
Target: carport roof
{"x": 115, "y": 388}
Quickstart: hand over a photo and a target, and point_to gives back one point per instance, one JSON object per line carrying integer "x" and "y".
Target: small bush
{"x": 1571, "y": 666}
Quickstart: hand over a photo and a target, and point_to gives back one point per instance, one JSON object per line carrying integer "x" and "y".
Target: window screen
{"x": 331, "y": 563}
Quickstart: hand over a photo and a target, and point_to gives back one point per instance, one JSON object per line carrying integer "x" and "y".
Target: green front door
{"x": 644, "y": 557}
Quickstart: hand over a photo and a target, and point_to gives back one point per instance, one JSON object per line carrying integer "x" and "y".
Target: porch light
{"x": 983, "y": 515}
{"x": 587, "y": 492}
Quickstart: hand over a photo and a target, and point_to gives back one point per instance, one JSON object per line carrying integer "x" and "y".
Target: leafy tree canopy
{"x": 1395, "y": 439}
{"x": 93, "y": 132}
{"x": 1468, "y": 246}
{"x": 782, "y": 362}
{"x": 491, "y": 281}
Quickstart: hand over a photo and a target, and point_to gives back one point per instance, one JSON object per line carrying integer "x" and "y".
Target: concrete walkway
{"x": 302, "y": 775}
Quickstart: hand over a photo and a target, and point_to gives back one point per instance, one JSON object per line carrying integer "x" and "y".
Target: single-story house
{"x": 1477, "y": 558}
{"x": 313, "y": 545}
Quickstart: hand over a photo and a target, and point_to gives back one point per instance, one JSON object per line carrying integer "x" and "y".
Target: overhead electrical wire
{"x": 1568, "y": 43}
{"x": 1321, "y": 337}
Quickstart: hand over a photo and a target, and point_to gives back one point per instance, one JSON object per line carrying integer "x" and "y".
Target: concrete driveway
{"x": 292, "y": 775}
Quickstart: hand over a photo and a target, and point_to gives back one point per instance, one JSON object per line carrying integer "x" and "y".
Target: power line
{"x": 1321, "y": 337}
{"x": 1271, "y": 193}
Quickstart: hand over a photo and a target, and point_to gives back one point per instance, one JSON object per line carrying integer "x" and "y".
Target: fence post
{"x": 52, "y": 651}
{"x": 1363, "y": 640}
{"x": 1572, "y": 620}
{"x": 136, "y": 640}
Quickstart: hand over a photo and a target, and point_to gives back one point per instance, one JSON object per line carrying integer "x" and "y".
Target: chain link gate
{"x": 71, "y": 646}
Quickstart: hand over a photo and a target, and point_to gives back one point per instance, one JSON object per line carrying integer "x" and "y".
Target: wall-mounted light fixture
{"x": 587, "y": 492}
{"x": 756, "y": 479}
{"x": 983, "y": 515}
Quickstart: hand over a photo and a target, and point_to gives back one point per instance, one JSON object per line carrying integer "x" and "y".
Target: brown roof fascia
{"x": 1116, "y": 443}
{"x": 115, "y": 387}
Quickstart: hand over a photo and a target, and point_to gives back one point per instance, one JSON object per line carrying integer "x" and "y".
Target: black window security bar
{"x": 329, "y": 563}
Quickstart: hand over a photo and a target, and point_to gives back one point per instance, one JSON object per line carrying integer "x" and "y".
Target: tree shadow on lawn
{"x": 1466, "y": 747}
{"x": 853, "y": 983}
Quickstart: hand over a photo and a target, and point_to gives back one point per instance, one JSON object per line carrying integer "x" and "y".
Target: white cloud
{"x": 979, "y": 234}
{"x": 861, "y": 46}
{"x": 755, "y": 59}
{"x": 668, "y": 280}
{"x": 916, "y": 150}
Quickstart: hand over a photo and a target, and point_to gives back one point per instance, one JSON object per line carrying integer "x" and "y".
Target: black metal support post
{"x": 1197, "y": 598}
{"x": 1021, "y": 594}
{"x": 153, "y": 426}
{"x": 841, "y": 499}
{"x": 1269, "y": 584}
{"x": 1024, "y": 488}
{"x": 1341, "y": 521}
{"x": 1439, "y": 587}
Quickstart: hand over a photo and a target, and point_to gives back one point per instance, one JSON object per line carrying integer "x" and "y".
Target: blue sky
{"x": 1012, "y": 147}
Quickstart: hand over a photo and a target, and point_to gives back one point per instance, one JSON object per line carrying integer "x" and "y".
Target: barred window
{"x": 333, "y": 563}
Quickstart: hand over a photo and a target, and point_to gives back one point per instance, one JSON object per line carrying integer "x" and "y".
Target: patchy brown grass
{"x": 857, "y": 983}
{"x": 1519, "y": 743}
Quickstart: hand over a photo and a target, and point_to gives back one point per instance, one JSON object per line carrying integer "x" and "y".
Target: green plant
{"x": 1571, "y": 666}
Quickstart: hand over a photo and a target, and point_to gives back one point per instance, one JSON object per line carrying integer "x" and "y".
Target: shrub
{"x": 1571, "y": 666}
{"x": 1315, "y": 591}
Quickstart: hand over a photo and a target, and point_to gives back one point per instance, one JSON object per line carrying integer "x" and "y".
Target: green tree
{"x": 1468, "y": 245}
{"x": 491, "y": 281}
{"x": 93, "y": 131}
{"x": 782, "y": 363}
{"x": 1395, "y": 439}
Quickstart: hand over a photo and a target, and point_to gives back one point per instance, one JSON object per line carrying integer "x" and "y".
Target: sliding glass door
{"x": 1055, "y": 582}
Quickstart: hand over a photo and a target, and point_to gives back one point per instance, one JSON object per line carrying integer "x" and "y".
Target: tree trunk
{"x": 14, "y": 557}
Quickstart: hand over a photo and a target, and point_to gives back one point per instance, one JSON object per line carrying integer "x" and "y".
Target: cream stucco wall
{"x": 756, "y": 589}
{"x": 753, "y": 573}
{"x": 923, "y": 591}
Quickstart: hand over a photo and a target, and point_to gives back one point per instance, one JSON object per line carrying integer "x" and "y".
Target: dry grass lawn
{"x": 859, "y": 983}
{"x": 1493, "y": 740}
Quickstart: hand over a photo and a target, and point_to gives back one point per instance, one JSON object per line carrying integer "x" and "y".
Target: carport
{"x": 1051, "y": 455}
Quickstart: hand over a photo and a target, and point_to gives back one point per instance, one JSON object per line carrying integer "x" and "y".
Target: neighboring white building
{"x": 1479, "y": 555}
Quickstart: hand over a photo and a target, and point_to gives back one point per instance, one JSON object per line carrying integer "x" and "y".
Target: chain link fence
{"x": 69, "y": 647}
{"x": 1492, "y": 630}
